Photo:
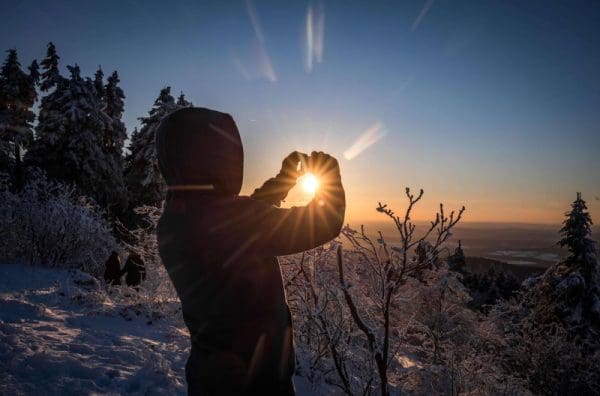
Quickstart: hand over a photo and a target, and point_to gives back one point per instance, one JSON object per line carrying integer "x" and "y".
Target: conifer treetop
{"x": 99, "y": 82}
{"x": 51, "y": 75}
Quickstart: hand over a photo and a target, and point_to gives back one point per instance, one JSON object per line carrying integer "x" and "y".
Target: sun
{"x": 310, "y": 184}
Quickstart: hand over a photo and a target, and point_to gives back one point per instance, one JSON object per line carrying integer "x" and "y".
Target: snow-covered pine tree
{"x": 51, "y": 75}
{"x": 77, "y": 141}
{"x": 69, "y": 141}
{"x": 49, "y": 132}
{"x": 113, "y": 141}
{"x": 17, "y": 96}
{"x": 99, "y": 83}
{"x": 115, "y": 106}
{"x": 182, "y": 101}
{"x": 83, "y": 160}
{"x": 144, "y": 181}
{"x": 576, "y": 232}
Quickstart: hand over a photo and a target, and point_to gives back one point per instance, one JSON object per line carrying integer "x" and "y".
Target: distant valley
{"x": 522, "y": 248}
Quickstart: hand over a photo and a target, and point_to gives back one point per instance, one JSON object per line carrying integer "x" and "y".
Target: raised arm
{"x": 280, "y": 232}
{"x": 274, "y": 190}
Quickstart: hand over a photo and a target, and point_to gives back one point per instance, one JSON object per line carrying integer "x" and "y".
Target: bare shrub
{"x": 350, "y": 305}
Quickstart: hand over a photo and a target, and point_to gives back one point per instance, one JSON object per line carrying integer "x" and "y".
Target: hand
{"x": 289, "y": 166}
{"x": 322, "y": 164}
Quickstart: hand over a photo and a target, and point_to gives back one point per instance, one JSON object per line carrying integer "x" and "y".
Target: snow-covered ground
{"x": 60, "y": 334}
{"x": 56, "y": 338}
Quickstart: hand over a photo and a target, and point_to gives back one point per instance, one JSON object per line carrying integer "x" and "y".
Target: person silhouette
{"x": 220, "y": 250}
{"x": 112, "y": 269}
{"x": 134, "y": 270}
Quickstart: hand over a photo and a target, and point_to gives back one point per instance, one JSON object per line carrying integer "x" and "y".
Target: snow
{"x": 54, "y": 341}
{"x": 61, "y": 333}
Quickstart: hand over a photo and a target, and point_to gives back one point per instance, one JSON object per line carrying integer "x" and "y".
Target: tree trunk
{"x": 18, "y": 185}
{"x": 383, "y": 378}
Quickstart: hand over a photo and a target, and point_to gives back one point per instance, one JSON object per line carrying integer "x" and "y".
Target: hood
{"x": 198, "y": 147}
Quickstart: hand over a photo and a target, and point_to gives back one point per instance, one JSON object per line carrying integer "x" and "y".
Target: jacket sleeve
{"x": 279, "y": 232}
{"x": 274, "y": 190}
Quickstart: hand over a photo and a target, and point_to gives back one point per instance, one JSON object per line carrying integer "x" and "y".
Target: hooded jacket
{"x": 220, "y": 251}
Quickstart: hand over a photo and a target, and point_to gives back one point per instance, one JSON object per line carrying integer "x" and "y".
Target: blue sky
{"x": 494, "y": 105}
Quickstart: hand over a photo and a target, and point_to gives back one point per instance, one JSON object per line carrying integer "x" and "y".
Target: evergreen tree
{"x": 17, "y": 96}
{"x": 51, "y": 75}
{"x": 34, "y": 72}
{"x": 80, "y": 135}
{"x": 83, "y": 158}
{"x": 576, "y": 231}
{"x": 69, "y": 145}
{"x": 48, "y": 132}
{"x": 114, "y": 139}
{"x": 115, "y": 106}
{"x": 182, "y": 101}
{"x": 144, "y": 181}
{"x": 458, "y": 261}
{"x": 99, "y": 83}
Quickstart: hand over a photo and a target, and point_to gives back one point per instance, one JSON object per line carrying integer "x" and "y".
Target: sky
{"x": 492, "y": 105}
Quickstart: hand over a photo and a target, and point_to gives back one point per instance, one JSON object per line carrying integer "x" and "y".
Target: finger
{"x": 320, "y": 161}
{"x": 303, "y": 163}
{"x": 294, "y": 158}
{"x": 331, "y": 162}
{"x": 313, "y": 160}
{"x": 295, "y": 155}
{"x": 326, "y": 165}
{"x": 332, "y": 165}
{"x": 289, "y": 165}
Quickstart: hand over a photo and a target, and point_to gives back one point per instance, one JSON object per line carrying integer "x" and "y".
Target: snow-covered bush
{"x": 157, "y": 282}
{"x": 328, "y": 349}
{"x": 542, "y": 356}
{"x": 380, "y": 318}
{"x": 48, "y": 224}
{"x": 355, "y": 307}
{"x": 437, "y": 344}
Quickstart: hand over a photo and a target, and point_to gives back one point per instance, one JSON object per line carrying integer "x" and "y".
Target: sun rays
{"x": 310, "y": 183}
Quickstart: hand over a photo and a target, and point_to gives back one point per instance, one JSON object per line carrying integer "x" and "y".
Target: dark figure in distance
{"x": 220, "y": 250}
{"x": 135, "y": 270}
{"x": 112, "y": 270}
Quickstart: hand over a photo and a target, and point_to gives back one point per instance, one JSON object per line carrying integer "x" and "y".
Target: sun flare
{"x": 310, "y": 184}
